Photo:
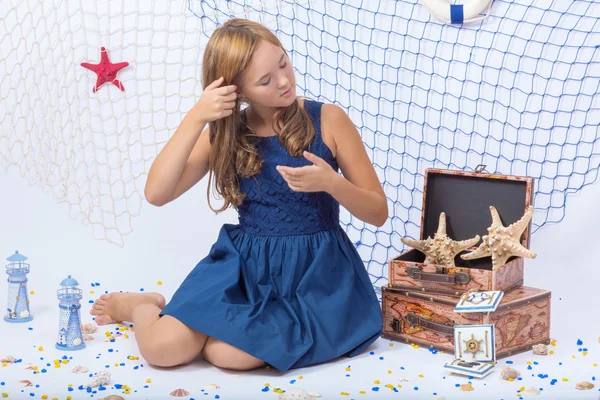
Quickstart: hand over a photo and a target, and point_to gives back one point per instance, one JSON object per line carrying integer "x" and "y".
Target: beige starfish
{"x": 503, "y": 242}
{"x": 440, "y": 250}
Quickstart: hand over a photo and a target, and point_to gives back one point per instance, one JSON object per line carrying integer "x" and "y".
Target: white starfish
{"x": 503, "y": 242}
{"x": 440, "y": 250}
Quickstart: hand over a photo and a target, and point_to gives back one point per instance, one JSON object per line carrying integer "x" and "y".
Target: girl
{"x": 285, "y": 286}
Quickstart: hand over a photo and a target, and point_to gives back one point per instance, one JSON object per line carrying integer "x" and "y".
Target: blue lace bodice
{"x": 271, "y": 207}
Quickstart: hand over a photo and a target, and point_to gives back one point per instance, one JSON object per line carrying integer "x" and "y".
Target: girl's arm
{"x": 359, "y": 189}
{"x": 185, "y": 158}
{"x": 182, "y": 163}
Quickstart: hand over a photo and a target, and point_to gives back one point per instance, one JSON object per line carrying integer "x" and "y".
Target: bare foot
{"x": 116, "y": 307}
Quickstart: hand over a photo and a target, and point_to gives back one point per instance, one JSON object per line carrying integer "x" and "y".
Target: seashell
{"x": 406, "y": 379}
{"x": 533, "y": 391}
{"x": 77, "y": 342}
{"x": 180, "y": 393}
{"x": 24, "y": 314}
{"x": 113, "y": 397}
{"x": 540, "y": 349}
{"x": 100, "y": 379}
{"x": 466, "y": 387}
{"x": 80, "y": 369}
{"x": 509, "y": 373}
{"x": 295, "y": 394}
{"x": 87, "y": 338}
{"x": 584, "y": 386}
{"x": 316, "y": 395}
{"x": 211, "y": 386}
{"x": 26, "y": 382}
{"x": 90, "y": 327}
{"x": 8, "y": 360}
{"x": 31, "y": 367}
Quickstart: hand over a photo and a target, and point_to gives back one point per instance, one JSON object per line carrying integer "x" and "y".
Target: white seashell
{"x": 584, "y": 386}
{"x": 540, "y": 349}
{"x": 211, "y": 386}
{"x": 24, "y": 314}
{"x": 77, "y": 342}
{"x": 88, "y": 328}
{"x": 80, "y": 369}
{"x": 8, "y": 360}
{"x": 295, "y": 394}
{"x": 532, "y": 391}
{"x": 509, "y": 373}
{"x": 100, "y": 379}
{"x": 406, "y": 379}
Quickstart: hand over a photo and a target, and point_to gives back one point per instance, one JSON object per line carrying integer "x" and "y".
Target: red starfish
{"x": 106, "y": 71}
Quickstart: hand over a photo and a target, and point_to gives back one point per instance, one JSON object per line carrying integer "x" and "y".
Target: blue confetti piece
{"x": 381, "y": 358}
{"x": 509, "y": 362}
{"x": 89, "y": 390}
{"x": 30, "y": 328}
{"x": 375, "y": 389}
{"x": 81, "y": 387}
{"x": 529, "y": 367}
{"x": 348, "y": 375}
{"x": 559, "y": 363}
{"x": 101, "y": 388}
{"x": 136, "y": 367}
{"x": 146, "y": 387}
{"x": 593, "y": 378}
{"x": 519, "y": 379}
{"x": 553, "y": 381}
{"x": 292, "y": 381}
{"x": 217, "y": 396}
{"x": 110, "y": 350}
{"x": 141, "y": 290}
{"x": 416, "y": 388}
{"x": 32, "y": 394}
{"x": 371, "y": 353}
{"x": 44, "y": 370}
{"x": 457, "y": 385}
{"x": 470, "y": 377}
{"x": 118, "y": 386}
{"x": 265, "y": 389}
{"x": 535, "y": 363}
{"x": 70, "y": 389}
{"x": 579, "y": 342}
{"x": 401, "y": 367}
{"x": 97, "y": 284}
{"x": 2, "y": 384}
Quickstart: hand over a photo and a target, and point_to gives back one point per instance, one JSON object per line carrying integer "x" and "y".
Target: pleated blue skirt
{"x": 291, "y": 301}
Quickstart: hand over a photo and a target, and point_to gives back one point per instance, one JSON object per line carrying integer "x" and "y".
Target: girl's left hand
{"x": 311, "y": 178}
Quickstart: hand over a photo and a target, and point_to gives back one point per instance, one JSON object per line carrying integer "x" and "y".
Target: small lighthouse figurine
{"x": 69, "y": 325}
{"x": 18, "y": 302}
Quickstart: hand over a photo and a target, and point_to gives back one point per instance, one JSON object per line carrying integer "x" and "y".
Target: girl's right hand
{"x": 216, "y": 102}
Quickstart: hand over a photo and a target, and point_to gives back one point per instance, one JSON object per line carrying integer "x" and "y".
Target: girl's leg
{"x": 166, "y": 341}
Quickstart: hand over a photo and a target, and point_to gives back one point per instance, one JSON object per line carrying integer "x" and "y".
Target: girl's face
{"x": 269, "y": 80}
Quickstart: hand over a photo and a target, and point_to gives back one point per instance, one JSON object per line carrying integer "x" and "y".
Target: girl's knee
{"x": 225, "y": 356}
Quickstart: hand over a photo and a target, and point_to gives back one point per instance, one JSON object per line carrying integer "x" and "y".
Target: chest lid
{"x": 466, "y": 197}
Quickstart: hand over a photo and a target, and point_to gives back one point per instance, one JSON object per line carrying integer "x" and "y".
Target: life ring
{"x": 470, "y": 11}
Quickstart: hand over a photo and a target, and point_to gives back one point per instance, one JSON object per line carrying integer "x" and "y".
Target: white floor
{"x": 566, "y": 264}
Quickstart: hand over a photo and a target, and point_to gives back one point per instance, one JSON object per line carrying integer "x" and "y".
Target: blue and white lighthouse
{"x": 17, "y": 308}
{"x": 70, "y": 336}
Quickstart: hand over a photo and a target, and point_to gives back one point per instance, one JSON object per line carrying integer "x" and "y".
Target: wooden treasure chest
{"x": 521, "y": 319}
{"x": 466, "y": 200}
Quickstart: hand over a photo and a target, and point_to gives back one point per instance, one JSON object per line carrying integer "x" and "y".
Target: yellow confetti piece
{"x": 45, "y": 396}
{"x": 421, "y": 376}
{"x": 41, "y": 348}
{"x": 573, "y": 356}
{"x": 362, "y": 392}
{"x": 4, "y": 364}
{"x": 5, "y": 395}
{"x": 159, "y": 283}
{"x": 389, "y": 386}
{"x": 116, "y": 364}
{"x": 345, "y": 393}
{"x": 347, "y": 368}
{"x": 553, "y": 343}
{"x": 522, "y": 389}
{"x": 529, "y": 363}
{"x": 400, "y": 386}
{"x": 565, "y": 379}
{"x": 511, "y": 379}
{"x": 389, "y": 371}
{"x": 551, "y": 351}
{"x": 148, "y": 380}
{"x": 377, "y": 382}
{"x": 595, "y": 365}
{"x": 92, "y": 292}
{"x": 68, "y": 397}
{"x": 584, "y": 353}
{"x": 65, "y": 361}
{"x": 300, "y": 377}
{"x": 126, "y": 336}
{"x": 391, "y": 344}
{"x": 107, "y": 334}
{"x": 267, "y": 384}
{"x": 32, "y": 292}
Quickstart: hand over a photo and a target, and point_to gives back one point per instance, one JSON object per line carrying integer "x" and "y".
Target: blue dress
{"x": 285, "y": 285}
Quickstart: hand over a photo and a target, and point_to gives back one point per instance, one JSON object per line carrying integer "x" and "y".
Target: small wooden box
{"x": 521, "y": 320}
{"x": 465, "y": 198}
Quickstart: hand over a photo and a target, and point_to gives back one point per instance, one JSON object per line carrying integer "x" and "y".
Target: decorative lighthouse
{"x": 69, "y": 325}
{"x": 18, "y": 302}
